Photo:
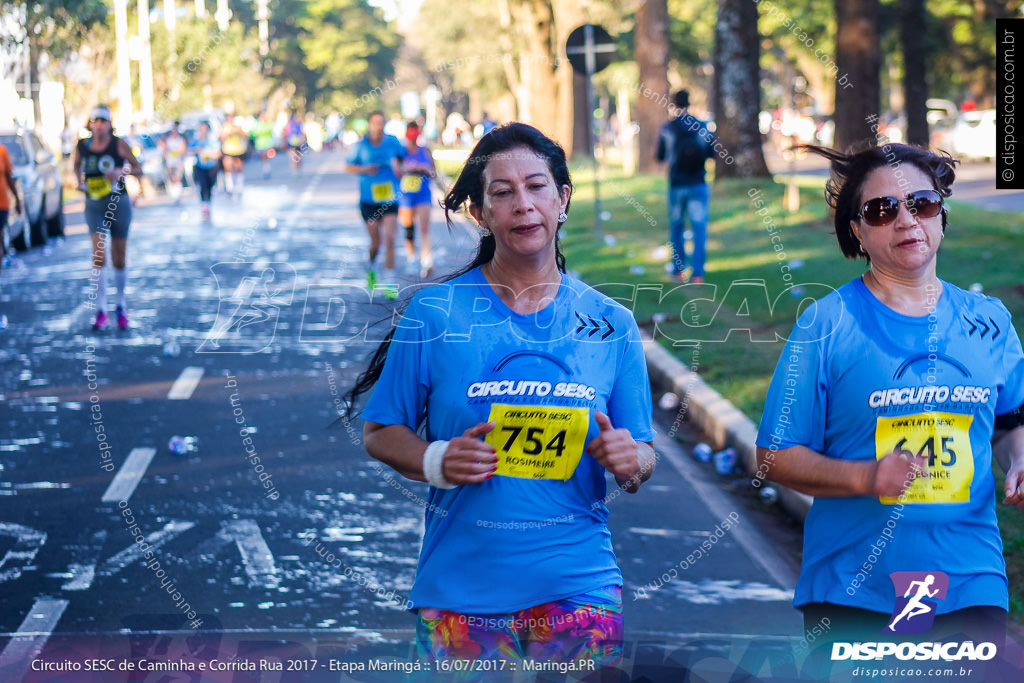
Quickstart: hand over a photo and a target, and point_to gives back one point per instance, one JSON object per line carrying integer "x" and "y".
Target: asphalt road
{"x": 278, "y": 542}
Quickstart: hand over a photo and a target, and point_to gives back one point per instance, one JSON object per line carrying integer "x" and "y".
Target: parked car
{"x": 974, "y": 135}
{"x": 147, "y": 153}
{"x": 16, "y": 232}
{"x": 37, "y": 171}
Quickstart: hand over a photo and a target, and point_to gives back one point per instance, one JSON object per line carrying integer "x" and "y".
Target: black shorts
{"x": 374, "y": 212}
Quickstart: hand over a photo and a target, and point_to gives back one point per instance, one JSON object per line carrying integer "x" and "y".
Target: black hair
{"x": 851, "y": 169}
{"x": 469, "y": 188}
{"x": 681, "y": 99}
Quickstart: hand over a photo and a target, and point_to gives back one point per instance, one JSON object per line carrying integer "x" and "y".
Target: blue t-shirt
{"x": 207, "y": 151}
{"x": 510, "y": 543}
{"x": 381, "y": 187}
{"x": 857, "y": 380}
{"x": 414, "y": 188}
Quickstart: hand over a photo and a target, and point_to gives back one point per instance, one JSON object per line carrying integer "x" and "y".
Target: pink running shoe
{"x": 122, "y": 318}
{"x": 101, "y": 321}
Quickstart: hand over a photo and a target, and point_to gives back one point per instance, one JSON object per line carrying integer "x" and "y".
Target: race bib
{"x": 97, "y": 187}
{"x": 382, "y": 192}
{"x": 411, "y": 183}
{"x": 295, "y": 140}
{"x": 538, "y": 442}
{"x": 235, "y": 145}
{"x": 943, "y": 439}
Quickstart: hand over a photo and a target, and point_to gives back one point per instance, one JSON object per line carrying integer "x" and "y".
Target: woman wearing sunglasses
{"x": 883, "y": 407}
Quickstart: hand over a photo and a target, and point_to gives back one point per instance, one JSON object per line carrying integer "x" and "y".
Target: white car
{"x": 37, "y": 172}
{"x": 974, "y": 135}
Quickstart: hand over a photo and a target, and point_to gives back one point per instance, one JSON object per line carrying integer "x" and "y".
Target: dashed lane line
{"x": 186, "y": 383}
{"x": 128, "y": 477}
{"x": 29, "y": 639}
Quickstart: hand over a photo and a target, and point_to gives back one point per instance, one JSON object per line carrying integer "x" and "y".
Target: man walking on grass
{"x": 686, "y": 143}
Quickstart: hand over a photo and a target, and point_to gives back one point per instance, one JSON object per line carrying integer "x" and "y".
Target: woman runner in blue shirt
{"x": 493, "y": 392}
{"x": 884, "y": 406}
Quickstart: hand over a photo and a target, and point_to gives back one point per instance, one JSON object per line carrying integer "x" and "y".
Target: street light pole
{"x": 124, "y": 76}
{"x": 223, "y": 15}
{"x": 145, "y": 63}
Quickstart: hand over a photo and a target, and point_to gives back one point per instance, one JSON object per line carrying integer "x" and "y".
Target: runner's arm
{"x": 9, "y": 177}
{"x": 646, "y": 459}
{"x": 467, "y": 460}
{"x": 1009, "y": 452}
{"x": 361, "y": 168}
{"x": 807, "y": 471}
{"x": 78, "y": 167}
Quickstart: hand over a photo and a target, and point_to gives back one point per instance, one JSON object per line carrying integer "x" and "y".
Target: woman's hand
{"x": 1013, "y": 488}
{"x": 468, "y": 459}
{"x": 614, "y": 449}
{"x": 895, "y": 473}
{"x": 114, "y": 175}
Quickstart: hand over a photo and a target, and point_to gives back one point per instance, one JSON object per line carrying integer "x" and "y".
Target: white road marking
{"x": 186, "y": 383}
{"x": 256, "y": 555}
{"x": 133, "y": 553}
{"x": 24, "y": 550}
{"x": 30, "y": 638}
{"x": 82, "y": 567}
{"x": 128, "y": 477}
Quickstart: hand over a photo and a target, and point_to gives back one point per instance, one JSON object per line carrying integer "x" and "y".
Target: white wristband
{"x": 433, "y": 460}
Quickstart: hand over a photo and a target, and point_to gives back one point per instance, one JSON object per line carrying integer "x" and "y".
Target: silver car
{"x": 37, "y": 172}
{"x": 15, "y": 233}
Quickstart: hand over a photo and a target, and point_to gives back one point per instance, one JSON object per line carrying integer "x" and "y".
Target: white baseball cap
{"x": 99, "y": 112}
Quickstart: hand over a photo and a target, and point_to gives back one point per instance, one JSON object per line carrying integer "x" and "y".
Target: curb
{"x": 708, "y": 410}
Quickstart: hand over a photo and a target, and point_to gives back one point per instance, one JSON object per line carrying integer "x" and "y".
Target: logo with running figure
{"x": 251, "y": 298}
{"x": 917, "y": 596}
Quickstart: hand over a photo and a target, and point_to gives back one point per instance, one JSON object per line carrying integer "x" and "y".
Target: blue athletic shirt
{"x": 207, "y": 151}
{"x": 511, "y": 543}
{"x": 381, "y": 187}
{"x": 857, "y": 380}
{"x": 414, "y": 188}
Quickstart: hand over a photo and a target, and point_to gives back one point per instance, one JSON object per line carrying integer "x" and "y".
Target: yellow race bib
{"x": 235, "y": 145}
{"x": 411, "y": 183}
{"x": 538, "y": 442}
{"x": 942, "y": 438}
{"x": 382, "y": 192}
{"x": 97, "y": 187}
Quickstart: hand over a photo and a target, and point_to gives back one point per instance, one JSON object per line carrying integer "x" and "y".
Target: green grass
{"x": 736, "y": 325}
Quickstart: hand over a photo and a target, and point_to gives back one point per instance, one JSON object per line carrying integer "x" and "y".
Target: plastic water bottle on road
{"x": 180, "y": 445}
{"x": 725, "y": 461}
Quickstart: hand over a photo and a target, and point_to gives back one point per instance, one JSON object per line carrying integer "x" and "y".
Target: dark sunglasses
{"x": 883, "y": 210}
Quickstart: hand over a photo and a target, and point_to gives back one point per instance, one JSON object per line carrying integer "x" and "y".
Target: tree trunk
{"x": 651, "y": 54}
{"x": 915, "y": 70}
{"x": 858, "y": 58}
{"x": 537, "y": 67}
{"x": 737, "y": 95}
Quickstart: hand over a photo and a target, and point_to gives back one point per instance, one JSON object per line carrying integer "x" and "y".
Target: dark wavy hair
{"x": 469, "y": 189}
{"x": 851, "y": 169}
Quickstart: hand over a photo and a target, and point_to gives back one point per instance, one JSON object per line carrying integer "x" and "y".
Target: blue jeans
{"x": 692, "y": 201}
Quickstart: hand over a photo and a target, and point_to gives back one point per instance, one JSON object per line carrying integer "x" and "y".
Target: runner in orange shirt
{"x": 6, "y": 193}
